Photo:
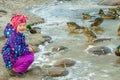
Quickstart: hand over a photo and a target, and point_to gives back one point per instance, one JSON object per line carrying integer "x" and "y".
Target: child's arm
{"x": 17, "y": 47}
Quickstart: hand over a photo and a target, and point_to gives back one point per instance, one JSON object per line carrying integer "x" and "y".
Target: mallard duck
{"x": 32, "y": 30}
{"x": 106, "y": 16}
{"x": 37, "y": 29}
{"x": 118, "y": 8}
{"x": 73, "y": 26}
{"x": 28, "y": 27}
{"x": 118, "y": 31}
{"x": 101, "y": 11}
{"x": 97, "y": 22}
{"x": 86, "y": 16}
{"x": 90, "y": 35}
{"x": 112, "y": 11}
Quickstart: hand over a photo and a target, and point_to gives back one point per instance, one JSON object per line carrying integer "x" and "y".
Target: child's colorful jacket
{"x": 14, "y": 47}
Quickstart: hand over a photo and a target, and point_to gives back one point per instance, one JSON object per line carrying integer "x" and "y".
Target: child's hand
{"x": 30, "y": 48}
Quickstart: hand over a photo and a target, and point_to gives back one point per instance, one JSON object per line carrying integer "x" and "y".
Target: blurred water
{"x": 88, "y": 66}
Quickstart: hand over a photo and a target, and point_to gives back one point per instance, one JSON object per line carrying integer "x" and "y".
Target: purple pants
{"x": 22, "y": 64}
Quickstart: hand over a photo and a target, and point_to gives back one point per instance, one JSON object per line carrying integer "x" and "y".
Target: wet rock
{"x": 2, "y": 12}
{"x": 3, "y": 74}
{"x": 3, "y": 71}
{"x": 101, "y": 40}
{"x": 110, "y": 2}
{"x": 64, "y": 0}
{"x": 100, "y": 50}
{"x": 2, "y": 38}
{"x": 36, "y": 20}
{"x": 47, "y": 38}
{"x": 34, "y": 70}
{"x": 47, "y": 66}
{"x": 64, "y": 63}
{"x": 58, "y": 48}
{"x": 35, "y": 39}
{"x": 35, "y": 49}
{"x": 47, "y": 53}
{"x": 56, "y": 72}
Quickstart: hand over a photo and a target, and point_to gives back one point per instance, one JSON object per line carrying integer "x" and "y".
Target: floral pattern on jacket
{"x": 14, "y": 47}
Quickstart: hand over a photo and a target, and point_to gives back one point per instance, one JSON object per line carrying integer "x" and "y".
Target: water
{"x": 88, "y": 66}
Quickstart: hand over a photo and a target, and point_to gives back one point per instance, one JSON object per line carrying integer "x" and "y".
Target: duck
{"x": 100, "y": 11}
{"x": 73, "y": 27}
{"x": 90, "y": 35}
{"x": 98, "y": 21}
{"x": 118, "y": 31}
{"x": 112, "y": 11}
{"x": 86, "y": 16}
{"x": 31, "y": 30}
{"x": 118, "y": 8}
{"x": 28, "y": 27}
{"x": 106, "y": 16}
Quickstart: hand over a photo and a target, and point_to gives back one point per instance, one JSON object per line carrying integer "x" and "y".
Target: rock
{"x": 101, "y": 40}
{"x": 47, "y": 53}
{"x": 58, "y": 48}
{"x": 3, "y": 71}
{"x": 3, "y": 74}
{"x": 47, "y": 66}
{"x": 100, "y": 50}
{"x": 35, "y": 70}
{"x": 35, "y": 49}
{"x": 47, "y": 38}
{"x": 2, "y": 38}
{"x": 64, "y": 63}
{"x": 56, "y": 72}
{"x": 2, "y": 12}
{"x": 35, "y": 39}
{"x": 110, "y": 2}
{"x": 35, "y": 21}
{"x": 64, "y": 0}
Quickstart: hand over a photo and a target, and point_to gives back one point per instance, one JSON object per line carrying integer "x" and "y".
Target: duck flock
{"x": 91, "y": 31}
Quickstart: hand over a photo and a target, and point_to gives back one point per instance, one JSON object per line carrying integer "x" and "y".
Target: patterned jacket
{"x": 14, "y": 47}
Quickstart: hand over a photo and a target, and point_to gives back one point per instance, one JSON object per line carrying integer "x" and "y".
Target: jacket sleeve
{"x": 18, "y": 46}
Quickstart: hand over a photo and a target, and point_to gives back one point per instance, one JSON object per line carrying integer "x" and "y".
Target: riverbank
{"x": 7, "y": 9}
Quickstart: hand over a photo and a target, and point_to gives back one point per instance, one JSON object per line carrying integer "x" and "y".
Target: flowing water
{"x": 88, "y": 66}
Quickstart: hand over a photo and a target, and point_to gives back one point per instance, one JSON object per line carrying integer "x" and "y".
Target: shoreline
{"x": 10, "y": 8}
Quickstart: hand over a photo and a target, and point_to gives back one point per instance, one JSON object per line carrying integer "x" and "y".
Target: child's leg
{"x": 23, "y": 63}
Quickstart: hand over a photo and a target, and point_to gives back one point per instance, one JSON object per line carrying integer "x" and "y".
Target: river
{"x": 88, "y": 66}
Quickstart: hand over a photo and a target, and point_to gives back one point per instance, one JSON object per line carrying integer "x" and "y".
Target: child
{"x": 17, "y": 54}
